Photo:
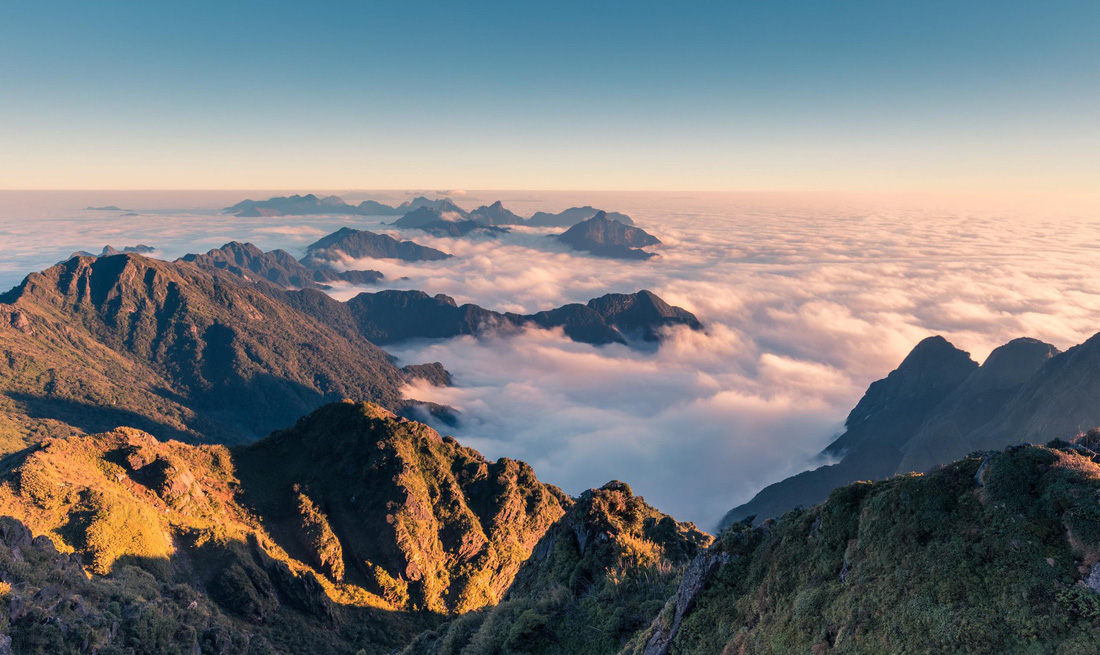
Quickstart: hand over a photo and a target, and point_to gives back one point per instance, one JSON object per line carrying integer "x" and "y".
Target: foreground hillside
{"x": 355, "y": 522}
{"x": 996, "y": 553}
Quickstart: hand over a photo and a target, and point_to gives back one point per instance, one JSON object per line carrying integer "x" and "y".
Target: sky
{"x": 979, "y": 97}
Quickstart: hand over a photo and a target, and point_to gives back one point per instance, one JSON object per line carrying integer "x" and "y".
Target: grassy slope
{"x": 955, "y": 561}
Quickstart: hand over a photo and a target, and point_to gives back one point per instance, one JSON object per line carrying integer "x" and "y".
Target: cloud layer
{"x": 805, "y": 304}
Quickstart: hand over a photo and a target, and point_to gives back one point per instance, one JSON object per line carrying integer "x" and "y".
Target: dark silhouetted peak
{"x": 572, "y": 216}
{"x": 391, "y": 315}
{"x": 643, "y": 313}
{"x": 927, "y": 374}
{"x": 495, "y": 214}
{"x": 358, "y": 244}
{"x": 606, "y": 237}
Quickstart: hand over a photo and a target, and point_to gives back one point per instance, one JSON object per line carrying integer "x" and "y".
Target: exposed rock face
{"x": 277, "y": 267}
{"x": 420, "y": 520}
{"x": 572, "y": 216}
{"x": 663, "y": 631}
{"x": 595, "y": 579}
{"x": 357, "y": 244}
{"x": 165, "y": 524}
{"x": 938, "y": 406}
{"x": 605, "y": 237}
{"x": 433, "y": 373}
{"x": 389, "y": 316}
{"x": 495, "y": 214}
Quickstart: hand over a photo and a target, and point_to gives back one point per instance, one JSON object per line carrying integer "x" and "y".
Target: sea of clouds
{"x": 805, "y": 301}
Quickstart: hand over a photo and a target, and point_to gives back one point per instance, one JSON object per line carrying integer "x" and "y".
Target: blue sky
{"x": 775, "y": 96}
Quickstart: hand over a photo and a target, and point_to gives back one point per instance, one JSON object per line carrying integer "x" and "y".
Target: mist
{"x": 804, "y": 302}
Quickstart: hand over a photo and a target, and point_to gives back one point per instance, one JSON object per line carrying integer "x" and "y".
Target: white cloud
{"x": 804, "y": 306}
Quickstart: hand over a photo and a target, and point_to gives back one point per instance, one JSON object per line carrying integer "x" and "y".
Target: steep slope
{"x": 356, "y": 244}
{"x": 351, "y": 528}
{"x": 922, "y": 415}
{"x": 597, "y": 577}
{"x": 890, "y": 414}
{"x": 993, "y": 554}
{"x": 389, "y": 316}
{"x": 495, "y": 214}
{"x": 278, "y": 267}
{"x": 421, "y": 520}
{"x": 172, "y": 349}
{"x": 948, "y": 433}
{"x": 178, "y": 564}
{"x": 1059, "y": 400}
{"x": 606, "y": 237}
{"x": 572, "y": 216}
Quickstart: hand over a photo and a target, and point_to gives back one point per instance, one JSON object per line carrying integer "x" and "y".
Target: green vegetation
{"x": 598, "y": 576}
{"x": 417, "y": 518}
{"x": 987, "y": 555}
{"x": 182, "y": 353}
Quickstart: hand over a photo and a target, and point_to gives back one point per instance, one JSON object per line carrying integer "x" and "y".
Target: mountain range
{"x": 388, "y": 316}
{"x": 308, "y": 205}
{"x": 486, "y": 215}
{"x": 572, "y": 216}
{"x": 176, "y": 350}
{"x": 208, "y": 456}
{"x": 278, "y": 267}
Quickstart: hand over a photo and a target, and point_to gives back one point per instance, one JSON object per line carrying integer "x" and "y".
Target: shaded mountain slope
{"x": 173, "y": 349}
{"x": 357, "y": 244}
{"x": 993, "y": 554}
{"x": 572, "y": 216}
{"x": 597, "y": 577}
{"x": 606, "y": 237}
{"x": 936, "y": 406}
{"x": 278, "y": 267}
{"x": 389, "y": 316}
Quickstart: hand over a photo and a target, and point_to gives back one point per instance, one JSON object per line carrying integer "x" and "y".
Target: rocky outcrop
{"x": 666, "y": 626}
